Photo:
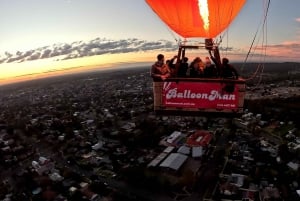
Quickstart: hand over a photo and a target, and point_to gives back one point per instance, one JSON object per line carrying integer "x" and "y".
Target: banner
{"x": 201, "y": 95}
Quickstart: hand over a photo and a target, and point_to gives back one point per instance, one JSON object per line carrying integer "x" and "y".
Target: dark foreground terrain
{"x": 94, "y": 136}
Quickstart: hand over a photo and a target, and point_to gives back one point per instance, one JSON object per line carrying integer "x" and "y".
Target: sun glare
{"x": 14, "y": 72}
{"x": 204, "y": 13}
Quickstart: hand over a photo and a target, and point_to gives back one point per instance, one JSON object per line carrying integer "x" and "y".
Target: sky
{"x": 53, "y": 36}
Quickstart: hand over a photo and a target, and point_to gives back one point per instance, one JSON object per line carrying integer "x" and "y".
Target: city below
{"x": 95, "y": 136}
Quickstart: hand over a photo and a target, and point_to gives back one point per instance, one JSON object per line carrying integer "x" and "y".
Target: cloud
{"x": 298, "y": 19}
{"x": 287, "y": 51}
{"x": 97, "y": 46}
{"x": 8, "y": 55}
{"x": 227, "y": 49}
{"x": 46, "y": 53}
{"x": 283, "y": 52}
{"x": 34, "y": 56}
{"x": 19, "y": 56}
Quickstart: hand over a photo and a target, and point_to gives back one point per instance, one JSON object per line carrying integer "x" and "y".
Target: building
{"x": 174, "y": 161}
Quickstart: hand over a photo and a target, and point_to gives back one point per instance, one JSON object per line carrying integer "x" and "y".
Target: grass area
{"x": 279, "y": 132}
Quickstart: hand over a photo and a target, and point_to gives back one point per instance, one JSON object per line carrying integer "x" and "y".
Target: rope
{"x": 260, "y": 67}
{"x": 173, "y": 35}
{"x": 264, "y": 46}
{"x": 226, "y": 33}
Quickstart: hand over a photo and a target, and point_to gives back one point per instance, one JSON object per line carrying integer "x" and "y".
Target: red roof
{"x": 199, "y": 138}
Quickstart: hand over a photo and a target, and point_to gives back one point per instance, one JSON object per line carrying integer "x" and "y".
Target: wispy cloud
{"x": 99, "y": 46}
{"x": 288, "y": 51}
{"x": 77, "y": 49}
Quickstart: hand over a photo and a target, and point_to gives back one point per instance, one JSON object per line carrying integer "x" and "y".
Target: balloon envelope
{"x": 197, "y": 18}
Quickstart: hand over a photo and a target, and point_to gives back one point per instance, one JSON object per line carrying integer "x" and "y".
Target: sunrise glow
{"x": 43, "y": 38}
{"x": 12, "y": 72}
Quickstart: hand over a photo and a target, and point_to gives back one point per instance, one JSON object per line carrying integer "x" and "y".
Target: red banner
{"x": 202, "y": 95}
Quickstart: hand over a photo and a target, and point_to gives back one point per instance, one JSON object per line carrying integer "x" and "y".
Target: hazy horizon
{"x": 115, "y": 66}
{"x": 71, "y": 70}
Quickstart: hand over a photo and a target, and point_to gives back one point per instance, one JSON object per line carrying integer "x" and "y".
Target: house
{"x": 173, "y": 137}
{"x": 184, "y": 150}
{"x": 269, "y": 193}
{"x": 237, "y": 179}
{"x": 174, "y": 161}
{"x": 197, "y": 152}
{"x": 98, "y": 145}
{"x": 293, "y": 165}
{"x": 161, "y": 156}
{"x": 199, "y": 138}
{"x": 43, "y": 165}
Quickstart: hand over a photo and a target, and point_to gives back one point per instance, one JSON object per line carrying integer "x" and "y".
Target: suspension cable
{"x": 264, "y": 45}
{"x": 260, "y": 67}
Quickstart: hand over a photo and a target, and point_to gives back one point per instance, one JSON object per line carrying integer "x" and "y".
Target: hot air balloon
{"x": 197, "y": 18}
{"x": 204, "y": 19}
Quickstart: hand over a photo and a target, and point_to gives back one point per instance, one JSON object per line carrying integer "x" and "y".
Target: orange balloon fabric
{"x": 197, "y": 18}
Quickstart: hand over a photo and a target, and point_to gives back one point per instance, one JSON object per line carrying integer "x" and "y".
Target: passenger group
{"x": 162, "y": 70}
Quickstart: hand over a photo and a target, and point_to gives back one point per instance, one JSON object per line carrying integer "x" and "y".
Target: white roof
{"x": 42, "y": 159}
{"x": 292, "y": 165}
{"x": 83, "y": 184}
{"x": 174, "y": 161}
{"x": 237, "y": 179}
{"x": 173, "y": 137}
{"x": 184, "y": 150}
{"x": 197, "y": 152}
{"x": 72, "y": 189}
{"x": 55, "y": 177}
{"x": 157, "y": 159}
{"x": 199, "y": 138}
{"x": 97, "y": 146}
{"x": 169, "y": 149}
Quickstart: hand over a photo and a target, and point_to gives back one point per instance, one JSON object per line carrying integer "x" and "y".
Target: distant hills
{"x": 268, "y": 67}
{"x": 280, "y": 69}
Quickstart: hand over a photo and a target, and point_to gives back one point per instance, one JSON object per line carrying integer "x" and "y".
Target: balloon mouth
{"x": 204, "y": 13}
